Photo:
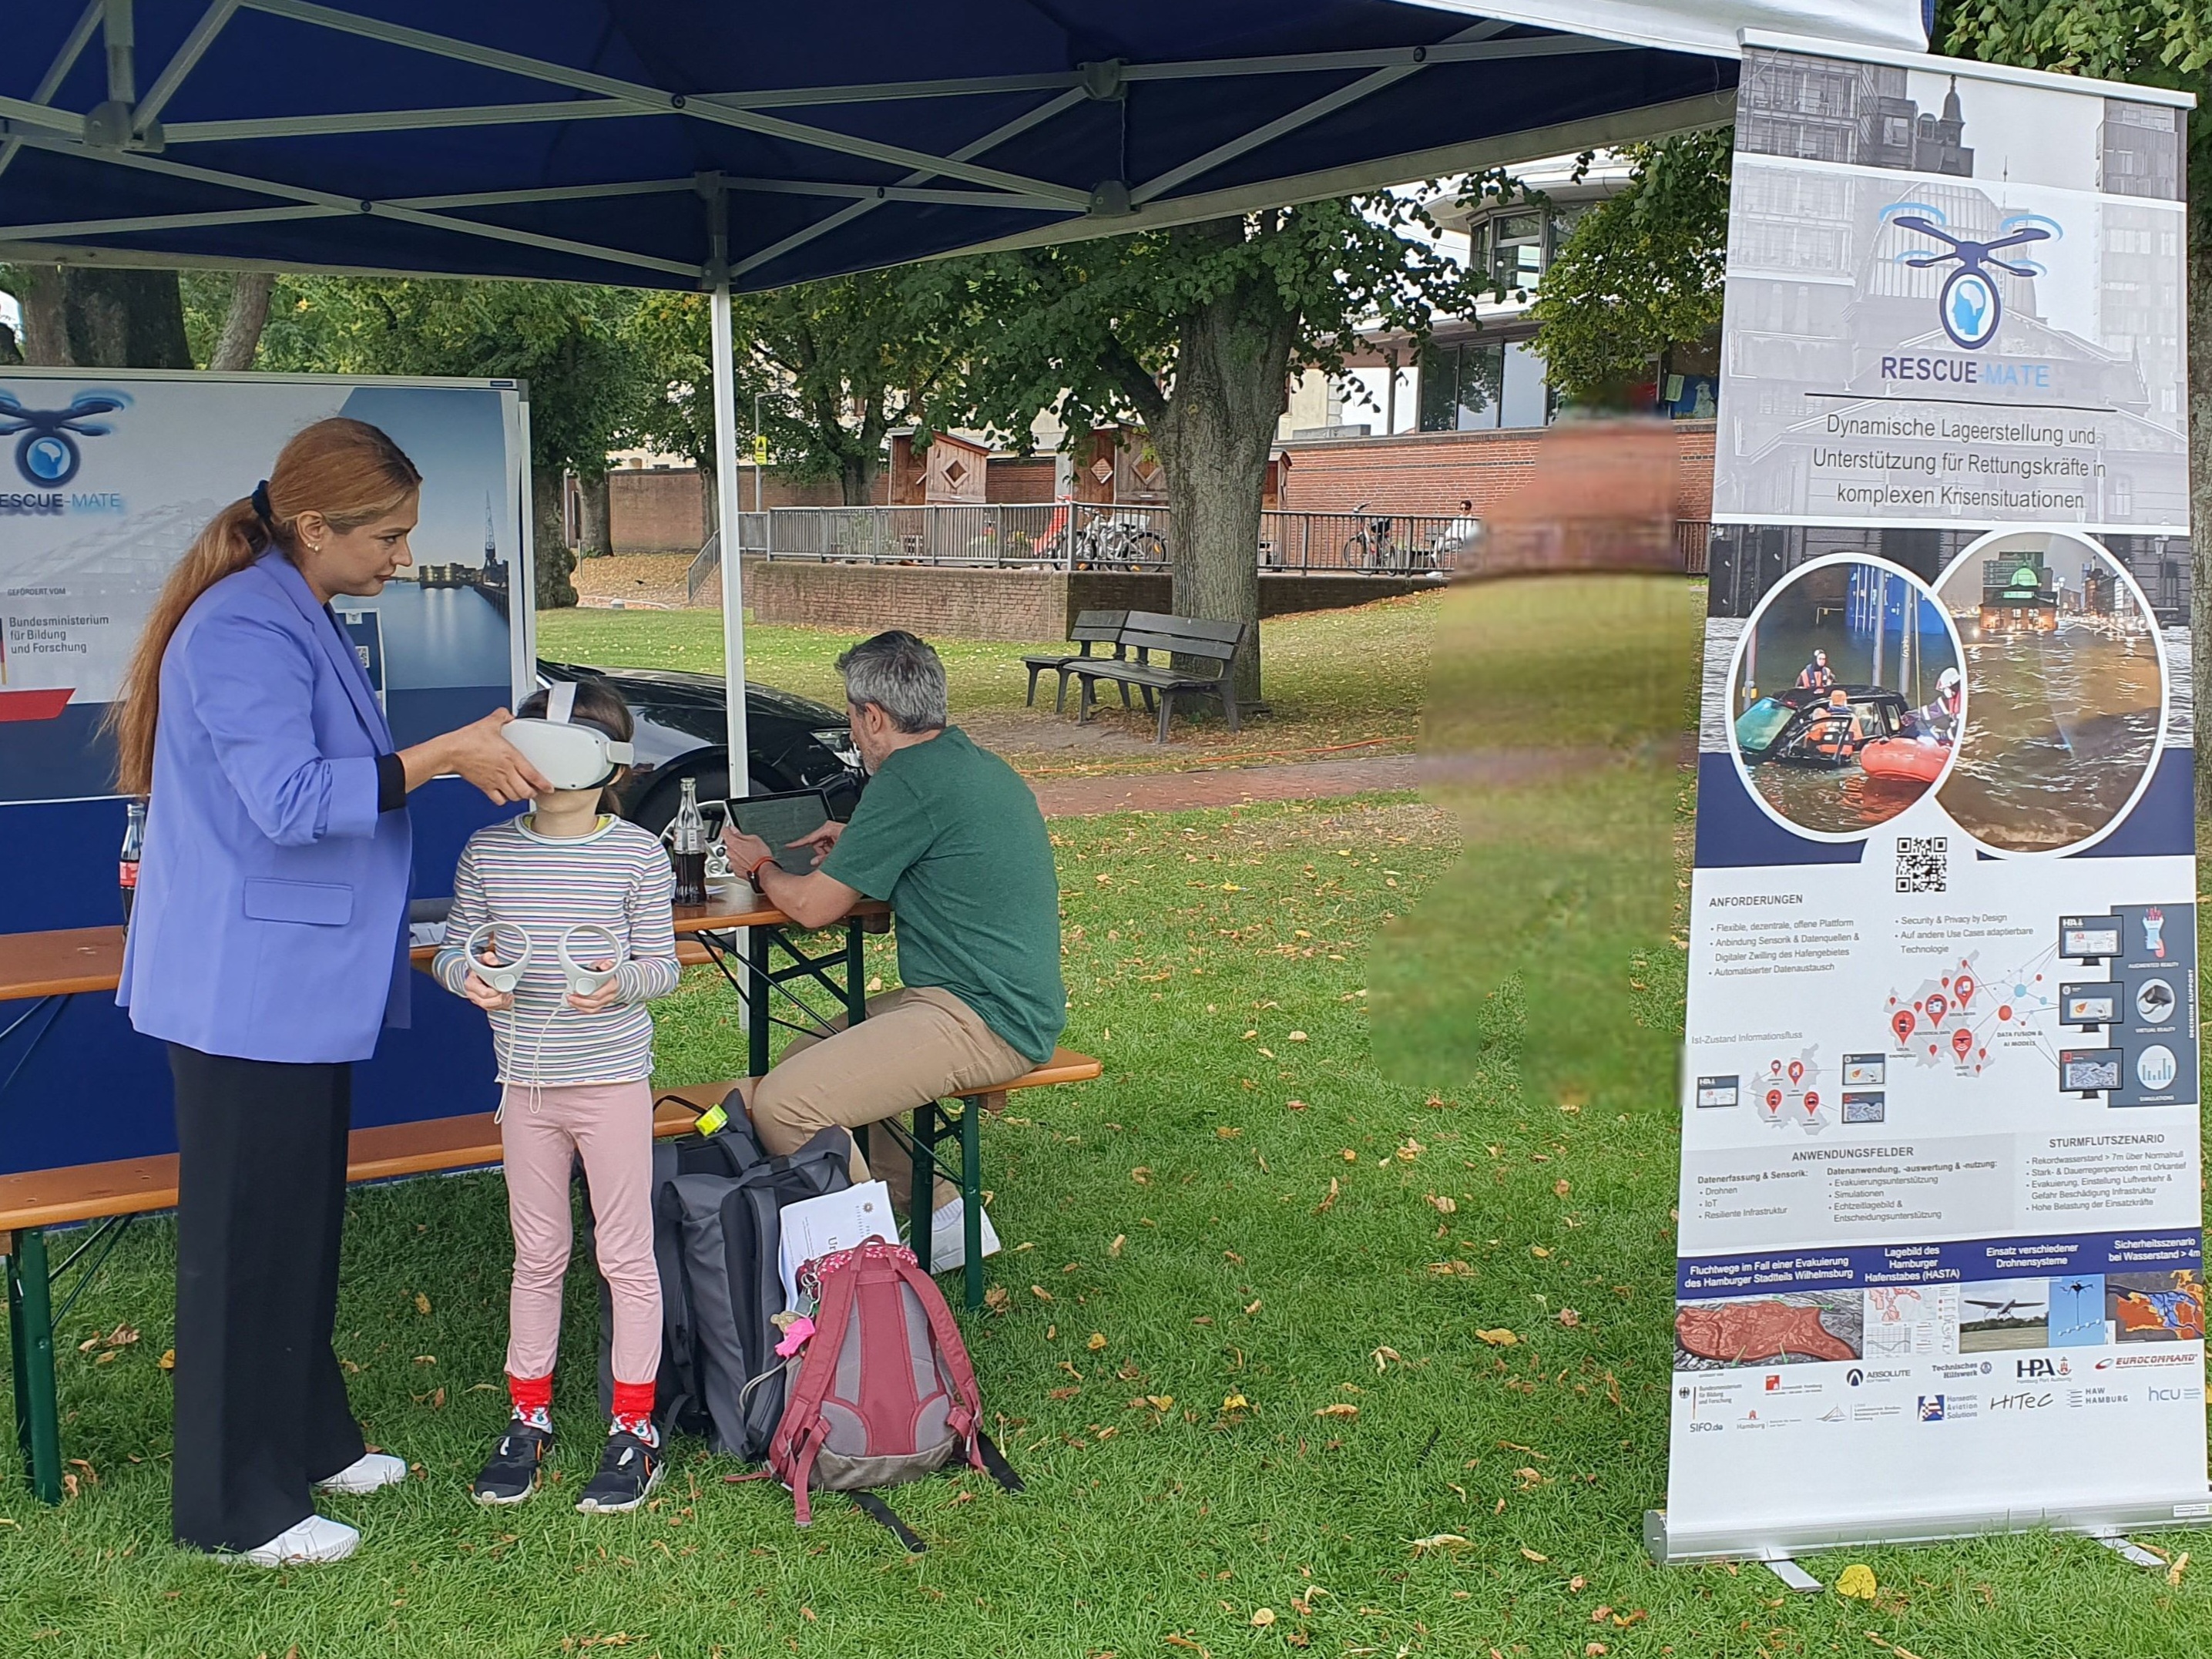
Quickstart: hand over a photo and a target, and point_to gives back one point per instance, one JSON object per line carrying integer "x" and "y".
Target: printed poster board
{"x": 105, "y": 475}
{"x": 1940, "y": 1258}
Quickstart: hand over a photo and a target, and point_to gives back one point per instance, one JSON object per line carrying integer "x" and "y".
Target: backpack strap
{"x": 799, "y": 1435}
{"x": 875, "y": 1508}
{"x": 951, "y": 1352}
{"x": 993, "y": 1463}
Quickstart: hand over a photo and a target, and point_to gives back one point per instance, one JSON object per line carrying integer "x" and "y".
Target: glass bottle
{"x": 687, "y": 846}
{"x": 134, "y": 845}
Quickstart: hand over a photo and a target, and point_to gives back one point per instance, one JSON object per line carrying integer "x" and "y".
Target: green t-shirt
{"x": 951, "y": 836}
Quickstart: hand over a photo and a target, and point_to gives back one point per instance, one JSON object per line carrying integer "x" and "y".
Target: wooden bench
{"x": 117, "y": 1194}
{"x": 1147, "y": 631}
{"x": 1092, "y": 628}
{"x": 933, "y": 1125}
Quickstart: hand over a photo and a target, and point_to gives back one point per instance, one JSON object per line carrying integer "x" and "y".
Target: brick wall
{"x": 1013, "y": 478}
{"x": 1431, "y": 472}
{"x": 1002, "y": 605}
{"x": 653, "y": 512}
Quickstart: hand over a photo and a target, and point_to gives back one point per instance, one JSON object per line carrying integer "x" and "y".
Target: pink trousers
{"x": 542, "y": 1131}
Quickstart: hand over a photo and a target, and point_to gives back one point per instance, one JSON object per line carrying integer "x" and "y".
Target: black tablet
{"x": 782, "y": 818}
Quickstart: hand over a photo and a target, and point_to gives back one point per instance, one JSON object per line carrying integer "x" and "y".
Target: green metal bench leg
{"x": 919, "y": 1208}
{"x": 971, "y": 1194}
{"x": 31, "y": 1337}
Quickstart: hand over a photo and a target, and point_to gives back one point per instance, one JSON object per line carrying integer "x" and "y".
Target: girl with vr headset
{"x": 561, "y": 932}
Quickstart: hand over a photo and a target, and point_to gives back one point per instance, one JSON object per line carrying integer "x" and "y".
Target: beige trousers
{"x": 916, "y": 1045}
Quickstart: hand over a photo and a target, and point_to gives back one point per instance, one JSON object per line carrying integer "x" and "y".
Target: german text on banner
{"x": 1940, "y": 1231}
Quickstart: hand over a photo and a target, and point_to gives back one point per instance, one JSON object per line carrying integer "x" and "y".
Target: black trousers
{"x": 261, "y": 1405}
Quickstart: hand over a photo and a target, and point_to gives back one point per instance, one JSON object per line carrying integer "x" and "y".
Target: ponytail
{"x": 347, "y": 470}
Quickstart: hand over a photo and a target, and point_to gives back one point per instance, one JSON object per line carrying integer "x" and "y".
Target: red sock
{"x": 632, "y": 1400}
{"x": 532, "y": 1397}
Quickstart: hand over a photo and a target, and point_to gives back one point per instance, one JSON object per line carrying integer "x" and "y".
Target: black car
{"x": 1808, "y": 727}
{"x": 797, "y": 743}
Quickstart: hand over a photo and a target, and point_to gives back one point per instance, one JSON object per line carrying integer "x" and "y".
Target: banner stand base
{"x": 1779, "y": 1547}
{"x": 1793, "y": 1577}
{"x": 2134, "y": 1554}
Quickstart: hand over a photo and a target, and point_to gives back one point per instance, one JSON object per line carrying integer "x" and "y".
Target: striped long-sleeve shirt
{"x": 617, "y": 878}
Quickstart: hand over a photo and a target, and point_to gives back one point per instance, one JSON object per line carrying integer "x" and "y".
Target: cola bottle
{"x": 687, "y": 846}
{"x": 134, "y": 844}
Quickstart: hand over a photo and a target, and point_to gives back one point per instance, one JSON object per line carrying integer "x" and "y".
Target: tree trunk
{"x": 550, "y": 539}
{"x": 11, "y": 350}
{"x": 598, "y": 516}
{"x": 125, "y": 318}
{"x": 856, "y": 478}
{"x": 243, "y": 322}
{"x": 1232, "y": 365}
{"x": 43, "y": 296}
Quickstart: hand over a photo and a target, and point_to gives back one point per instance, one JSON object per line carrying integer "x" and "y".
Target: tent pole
{"x": 725, "y": 521}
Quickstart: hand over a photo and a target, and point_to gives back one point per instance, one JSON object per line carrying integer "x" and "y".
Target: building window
{"x": 1477, "y": 387}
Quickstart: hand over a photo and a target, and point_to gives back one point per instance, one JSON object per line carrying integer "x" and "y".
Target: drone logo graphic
{"x": 47, "y": 452}
{"x": 1969, "y": 306}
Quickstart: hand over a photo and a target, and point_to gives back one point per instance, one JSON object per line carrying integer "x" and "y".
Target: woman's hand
{"x": 478, "y": 752}
{"x": 601, "y": 999}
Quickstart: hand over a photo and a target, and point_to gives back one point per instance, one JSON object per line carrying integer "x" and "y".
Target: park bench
{"x": 1092, "y": 628}
{"x": 1147, "y": 631}
{"x": 932, "y": 1126}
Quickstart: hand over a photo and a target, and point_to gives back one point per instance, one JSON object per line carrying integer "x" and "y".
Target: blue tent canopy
{"x": 612, "y": 140}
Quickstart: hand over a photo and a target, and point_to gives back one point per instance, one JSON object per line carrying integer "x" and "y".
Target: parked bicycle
{"x": 1375, "y": 546}
{"x": 1118, "y": 539}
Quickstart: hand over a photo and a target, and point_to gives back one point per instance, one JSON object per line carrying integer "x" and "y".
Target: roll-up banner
{"x": 1940, "y": 1258}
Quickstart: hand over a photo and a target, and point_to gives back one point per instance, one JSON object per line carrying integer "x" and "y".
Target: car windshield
{"x": 1760, "y": 724}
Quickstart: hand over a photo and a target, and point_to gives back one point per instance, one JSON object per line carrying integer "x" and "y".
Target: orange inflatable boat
{"x": 1906, "y": 760}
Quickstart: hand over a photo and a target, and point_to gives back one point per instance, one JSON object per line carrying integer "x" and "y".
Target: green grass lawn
{"x": 1333, "y": 678}
{"x": 1241, "y": 1363}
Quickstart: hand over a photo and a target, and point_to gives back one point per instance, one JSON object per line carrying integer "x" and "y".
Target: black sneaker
{"x": 512, "y": 1473}
{"x": 629, "y": 1470}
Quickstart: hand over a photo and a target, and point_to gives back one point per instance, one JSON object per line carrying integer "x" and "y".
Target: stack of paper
{"x": 814, "y": 1227}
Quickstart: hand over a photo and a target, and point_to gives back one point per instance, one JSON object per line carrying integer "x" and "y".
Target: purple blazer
{"x": 270, "y": 919}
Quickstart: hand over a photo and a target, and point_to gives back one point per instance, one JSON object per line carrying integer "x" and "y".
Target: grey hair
{"x": 902, "y": 676}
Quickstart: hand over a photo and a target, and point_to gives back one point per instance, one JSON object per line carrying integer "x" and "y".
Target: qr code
{"x": 1922, "y": 864}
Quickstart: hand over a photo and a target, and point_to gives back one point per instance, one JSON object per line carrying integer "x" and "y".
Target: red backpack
{"x": 883, "y": 1392}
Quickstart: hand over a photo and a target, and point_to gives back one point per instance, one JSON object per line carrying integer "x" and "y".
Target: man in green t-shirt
{"x": 952, "y": 837}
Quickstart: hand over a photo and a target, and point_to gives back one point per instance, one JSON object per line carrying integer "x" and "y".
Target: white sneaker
{"x": 948, "y": 1236}
{"x": 366, "y": 1473}
{"x": 317, "y": 1539}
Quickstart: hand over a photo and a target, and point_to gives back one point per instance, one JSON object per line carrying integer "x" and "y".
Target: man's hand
{"x": 821, "y": 840}
{"x": 745, "y": 852}
{"x": 478, "y": 753}
{"x": 601, "y": 999}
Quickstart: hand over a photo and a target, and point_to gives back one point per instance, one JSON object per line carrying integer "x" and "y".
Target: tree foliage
{"x": 1641, "y": 271}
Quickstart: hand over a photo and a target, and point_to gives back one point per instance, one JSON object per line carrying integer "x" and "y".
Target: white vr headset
{"x": 568, "y": 756}
{"x": 505, "y": 975}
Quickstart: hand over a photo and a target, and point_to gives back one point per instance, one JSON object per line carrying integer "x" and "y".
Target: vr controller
{"x": 504, "y": 976}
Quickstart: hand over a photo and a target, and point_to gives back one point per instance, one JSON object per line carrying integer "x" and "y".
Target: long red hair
{"x": 347, "y": 470}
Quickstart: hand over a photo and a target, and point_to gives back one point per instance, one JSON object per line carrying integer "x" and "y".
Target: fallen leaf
{"x": 1500, "y": 1338}
{"x": 1263, "y": 1616}
{"x": 1383, "y": 1357}
{"x": 1559, "y": 1187}
{"x": 1120, "y": 1239}
{"x": 1068, "y": 1393}
{"x": 1349, "y": 1156}
{"x": 1593, "y": 1650}
{"x": 875, "y": 982}
{"x": 2173, "y": 1573}
{"x": 1445, "y": 1206}
{"x": 1297, "y": 1036}
{"x": 1568, "y": 1316}
{"x": 422, "y": 1303}
{"x": 1040, "y": 1293}
{"x": 1159, "y": 1402}
{"x": 1857, "y": 1582}
{"x": 1225, "y": 1132}
{"x": 1252, "y": 1307}
{"x": 1328, "y": 1203}
{"x": 1342, "y": 1408}
{"x": 1095, "y": 1341}
{"x": 1176, "y": 1640}
{"x": 1294, "y": 1105}
{"x": 1439, "y": 1541}
{"x": 1630, "y": 1620}
{"x": 1528, "y": 1554}
{"x": 1141, "y": 1175}
{"x": 1538, "y": 1250}
{"x": 168, "y": 1360}
{"x": 1231, "y": 1256}
{"x": 997, "y": 1299}
{"x": 1235, "y": 1402}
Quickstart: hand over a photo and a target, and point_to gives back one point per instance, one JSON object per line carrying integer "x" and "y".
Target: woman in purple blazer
{"x": 268, "y": 946}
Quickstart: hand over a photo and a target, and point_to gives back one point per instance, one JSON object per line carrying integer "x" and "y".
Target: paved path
{"x": 1175, "y": 792}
